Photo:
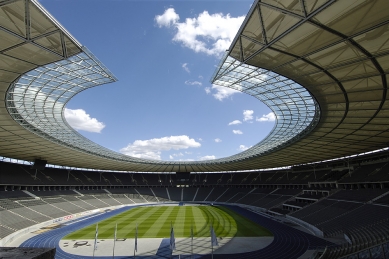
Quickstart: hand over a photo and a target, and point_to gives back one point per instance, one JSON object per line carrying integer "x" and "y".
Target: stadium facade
{"x": 323, "y": 75}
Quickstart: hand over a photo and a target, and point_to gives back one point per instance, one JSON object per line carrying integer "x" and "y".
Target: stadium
{"x": 316, "y": 187}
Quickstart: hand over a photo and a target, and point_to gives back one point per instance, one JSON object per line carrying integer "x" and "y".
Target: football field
{"x": 155, "y": 222}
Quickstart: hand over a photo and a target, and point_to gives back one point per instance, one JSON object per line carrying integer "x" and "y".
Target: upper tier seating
{"x": 51, "y": 177}
{"x": 361, "y": 195}
{"x": 368, "y": 173}
{"x": 14, "y": 194}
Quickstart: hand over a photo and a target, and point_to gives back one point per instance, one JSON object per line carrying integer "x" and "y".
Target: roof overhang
{"x": 320, "y": 66}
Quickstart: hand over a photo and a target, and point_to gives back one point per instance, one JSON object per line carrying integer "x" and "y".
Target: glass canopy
{"x": 295, "y": 110}
{"x": 37, "y": 100}
{"x": 332, "y": 100}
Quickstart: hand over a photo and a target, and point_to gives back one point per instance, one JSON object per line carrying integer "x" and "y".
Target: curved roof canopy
{"x": 321, "y": 66}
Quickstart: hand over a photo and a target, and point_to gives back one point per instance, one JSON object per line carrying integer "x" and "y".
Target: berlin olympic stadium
{"x": 319, "y": 182}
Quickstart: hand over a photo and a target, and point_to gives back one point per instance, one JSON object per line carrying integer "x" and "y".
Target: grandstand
{"x": 324, "y": 167}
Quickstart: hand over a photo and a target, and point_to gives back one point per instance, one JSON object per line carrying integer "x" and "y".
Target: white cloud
{"x": 208, "y": 33}
{"x": 80, "y": 120}
{"x": 221, "y": 92}
{"x": 239, "y": 132}
{"x": 247, "y": 115}
{"x": 200, "y": 139}
{"x": 185, "y": 67}
{"x": 267, "y": 117}
{"x": 173, "y": 156}
{"x": 235, "y": 122}
{"x": 217, "y": 140}
{"x": 207, "y": 157}
{"x": 201, "y": 77}
{"x": 151, "y": 149}
{"x": 190, "y": 82}
{"x": 243, "y": 148}
{"x": 168, "y": 18}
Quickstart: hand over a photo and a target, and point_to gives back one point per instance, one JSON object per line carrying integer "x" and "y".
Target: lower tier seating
{"x": 365, "y": 223}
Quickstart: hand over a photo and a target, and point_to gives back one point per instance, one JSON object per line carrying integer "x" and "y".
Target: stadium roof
{"x": 321, "y": 66}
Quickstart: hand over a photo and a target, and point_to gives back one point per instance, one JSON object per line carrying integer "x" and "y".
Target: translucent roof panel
{"x": 321, "y": 67}
{"x": 341, "y": 64}
{"x": 294, "y": 108}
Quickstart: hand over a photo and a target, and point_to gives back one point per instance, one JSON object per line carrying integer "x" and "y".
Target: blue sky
{"x": 163, "y": 53}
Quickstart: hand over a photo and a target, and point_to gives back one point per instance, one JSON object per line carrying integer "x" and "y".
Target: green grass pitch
{"x": 154, "y": 222}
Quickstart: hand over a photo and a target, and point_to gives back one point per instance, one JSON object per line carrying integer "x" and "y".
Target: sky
{"x": 164, "y": 54}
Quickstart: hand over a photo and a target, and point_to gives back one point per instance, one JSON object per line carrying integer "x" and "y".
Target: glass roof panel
{"x": 295, "y": 109}
{"x": 338, "y": 51}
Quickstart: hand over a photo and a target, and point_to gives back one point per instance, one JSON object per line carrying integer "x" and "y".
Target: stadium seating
{"x": 14, "y": 194}
{"x": 5, "y": 231}
{"x": 161, "y": 193}
{"x": 146, "y": 193}
{"x": 189, "y": 193}
{"x": 370, "y": 172}
{"x": 215, "y": 194}
{"x": 336, "y": 213}
{"x": 74, "y": 200}
{"x": 364, "y": 241}
{"x": 337, "y": 200}
{"x": 64, "y": 204}
{"x": 383, "y": 200}
{"x": 202, "y": 194}
{"x": 175, "y": 194}
{"x": 360, "y": 195}
{"x": 229, "y": 194}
